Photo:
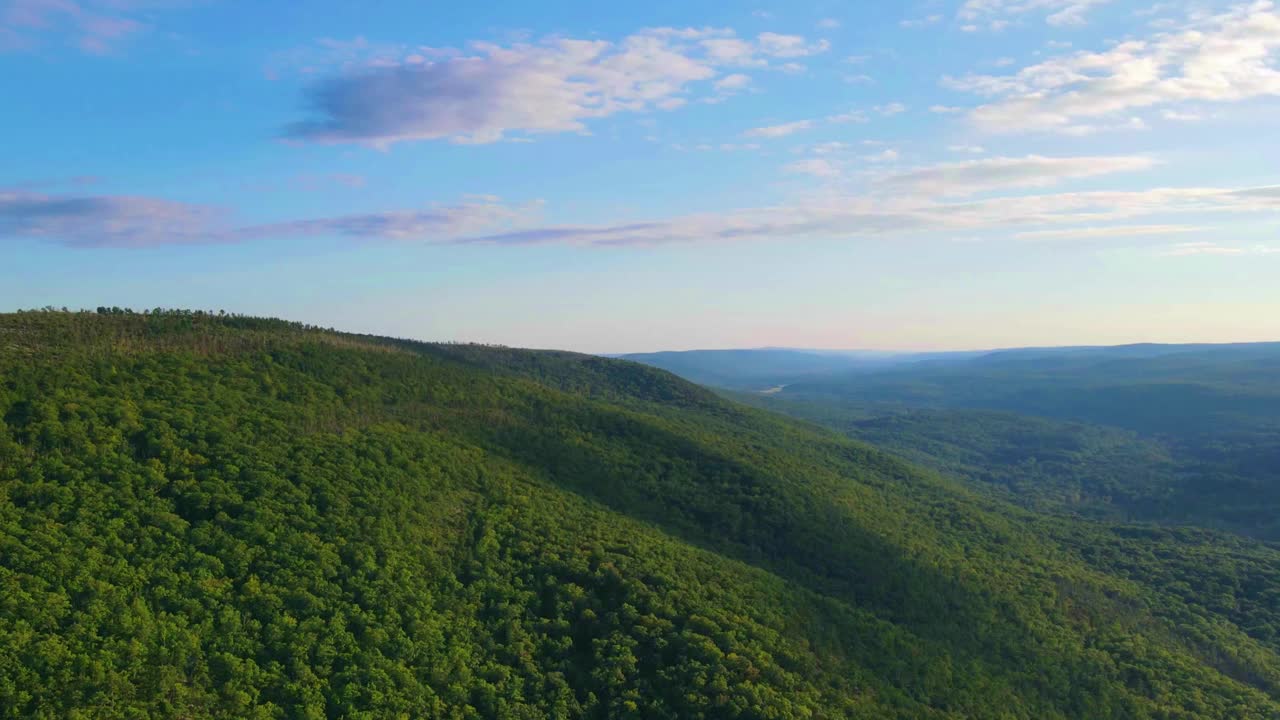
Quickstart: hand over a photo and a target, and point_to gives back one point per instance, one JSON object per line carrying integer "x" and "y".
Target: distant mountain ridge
{"x": 1179, "y": 433}
{"x": 759, "y": 368}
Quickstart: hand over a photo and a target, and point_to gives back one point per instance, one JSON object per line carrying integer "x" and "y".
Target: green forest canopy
{"x": 222, "y": 516}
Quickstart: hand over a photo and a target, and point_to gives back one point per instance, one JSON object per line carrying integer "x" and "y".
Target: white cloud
{"x": 105, "y": 220}
{"x": 884, "y": 156}
{"x": 556, "y": 85}
{"x": 789, "y": 46}
{"x": 818, "y": 167}
{"x": 95, "y": 26}
{"x": 828, "y": 148}
{"x": 1210, "y": 248}
{"x": 737, "y": 81}
{"x": 733, "y": 82}
{"x": 732, "y": 51}
{"x": 1219, "y": 58}
{"x": 1057, "y": 12}
{"x": 976, "y": 176}
{"x": 1105, "y": 231}
{"x": 945, "y": 109}
{"x": 776, "y": 131}
{"x": 859, "y": 79}
{"x": 899, "y": 203}
{"x": 894, "y": 214}
{"x": 828, "y": 23}
{"x": 890, "y": 109}
{"x": 436, "y": 223}
{"x": 921, "y": 22}
{"x": 853, "y": 116}
{"x": 131, "y": 221}
{"x": 970, "y": 149}
{"x": 1084, "y": 129}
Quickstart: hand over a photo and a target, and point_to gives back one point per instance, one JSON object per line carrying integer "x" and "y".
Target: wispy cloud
{"x": 867, "y": 216}
{"x": 105, "y": 220}
{"x": 930, "y": 199}
{"x": 920, "y": 22}
{"x": 976, "y": 176}
{"x": 1000, "y": 12}
{"x": 736, "y": 81}
{"x": 1211, "y": 248}
{"x": 132, "y": 221}
{"x": 437, "y": 223}
{"x": 884, "y": 156}
{"x": 313, "y": 181}
{"x": 1219, "y": 58}
{"x": 818, "y": 167}
{"x": 1105, "y": 231}
{"x": 777, "y": 131}
{"x": 852, "y": 116}
{"x": 554, "y": 86}
{"x": 92, "y": 26}
{"x": 790, "y": 46}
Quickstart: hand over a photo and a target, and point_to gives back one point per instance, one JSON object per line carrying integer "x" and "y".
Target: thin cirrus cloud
{"x": 475, "y": 214}
{"x": 852, "y": 116}
{"x": 920, "y": 22}
{"x": 781, "y": 130}
{"x": 134, "y": 221}
{"x": 1211, "y": 248}
{"x": 818, "y": 167}
{"x": 93, "y": 26}
{"x": 1105, "y": 232}
{"x": 122, "y": 221}
{"x": 119, "y": 221}
{"x": 1230, "y": 56}
{"x": 1001, "y": 12}
{"x": 880, "y": 217}
{"x": 977, "y": 176}
{"x": 554, "y": 86}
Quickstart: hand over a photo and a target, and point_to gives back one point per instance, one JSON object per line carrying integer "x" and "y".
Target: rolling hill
{"x": 225, "y": 516}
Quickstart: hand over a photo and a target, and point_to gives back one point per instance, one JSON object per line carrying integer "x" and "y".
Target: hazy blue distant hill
{"x": 760, "y": 368}
{"x": 1148, "y": 388}
{"x": 1173, "y": 433}
{"x": 766, "y": 368}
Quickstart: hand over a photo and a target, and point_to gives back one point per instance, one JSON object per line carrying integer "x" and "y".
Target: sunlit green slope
{"x": 233, "y": 517}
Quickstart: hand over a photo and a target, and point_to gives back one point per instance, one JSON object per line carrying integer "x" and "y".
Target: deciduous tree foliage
{"x": 205, "y": 515}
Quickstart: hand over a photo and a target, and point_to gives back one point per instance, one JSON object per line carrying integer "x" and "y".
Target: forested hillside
{"x": 1166, "y": 433}
{"x": 221, "y": 516}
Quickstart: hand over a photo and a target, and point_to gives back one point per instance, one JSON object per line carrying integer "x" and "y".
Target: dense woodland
{"x": 219, "y": 516}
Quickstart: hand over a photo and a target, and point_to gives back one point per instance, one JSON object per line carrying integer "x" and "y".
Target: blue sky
{"x": 660, "y": 175}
